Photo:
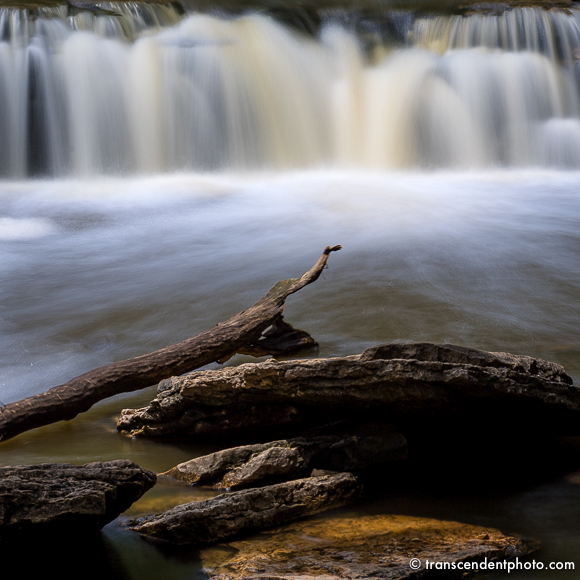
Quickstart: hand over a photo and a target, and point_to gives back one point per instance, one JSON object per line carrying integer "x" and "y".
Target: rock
{"x": 55, "y": 497}
{"x": 274, "y": 463}
{"x": 211, "y": 468}
{"x": 416, "y": 384}
{"x": 252, "y": 465}
{"x": 369, "y": 547}
{"x": 321, "y": 472}
{"x": 219, "y": 423}
{"x": 248, "y": 510}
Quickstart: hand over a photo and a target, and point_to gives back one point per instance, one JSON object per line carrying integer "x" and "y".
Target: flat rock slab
{"x": 380, "y": 546}
{"x": 398, "y": 383}
{"x": 253, "y": 465}
{"x": 60, "y": 497}
{"x": 249, "y": 510}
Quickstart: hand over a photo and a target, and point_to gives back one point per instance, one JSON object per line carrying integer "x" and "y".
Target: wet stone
{"x": 369, "y": 547}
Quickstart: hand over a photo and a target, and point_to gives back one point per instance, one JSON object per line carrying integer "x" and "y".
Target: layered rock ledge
{"x": 251, "y": 465}
{"x": 406, "y": 384}
{"x": 228, "y": 514}
{"x": 65, "y": 498}
{"x": 380, "y": 546}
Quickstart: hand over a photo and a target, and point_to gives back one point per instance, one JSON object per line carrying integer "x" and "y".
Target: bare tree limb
{"x": 241, "y": 333}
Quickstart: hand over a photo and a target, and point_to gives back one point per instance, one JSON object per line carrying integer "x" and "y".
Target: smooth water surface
{"x": 97, "y": 271}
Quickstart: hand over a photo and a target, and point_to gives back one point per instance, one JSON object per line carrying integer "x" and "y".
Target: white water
{"x": 91, "y": 95}
{"x": 96, "y": 267}
{"x": 553, "y": 33}
{"x": 86, "y": 259}
{"x": 101, "y": 270}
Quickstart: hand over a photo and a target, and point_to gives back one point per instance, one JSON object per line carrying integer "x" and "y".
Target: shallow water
{"x": 101, "y": 270}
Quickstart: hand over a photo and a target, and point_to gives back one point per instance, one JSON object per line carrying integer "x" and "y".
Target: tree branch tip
{"x": 66, "y": 401}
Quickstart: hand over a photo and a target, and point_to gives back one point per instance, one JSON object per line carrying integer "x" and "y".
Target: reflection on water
{"x": 120, "y": 267}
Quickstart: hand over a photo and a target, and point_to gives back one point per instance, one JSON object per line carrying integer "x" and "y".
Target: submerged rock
{"x": 380, "y": 546}
{"x": 252, "y": 465}
{"x": 417, "y": 384}
{"x": 55, "y": 497}
{"x": 248, "y": 510}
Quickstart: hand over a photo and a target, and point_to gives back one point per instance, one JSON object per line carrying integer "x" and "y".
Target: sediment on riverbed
{"x": 371, "y": 547}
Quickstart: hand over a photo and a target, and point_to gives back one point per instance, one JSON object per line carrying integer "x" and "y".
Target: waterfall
{"x": 140, "y": 88}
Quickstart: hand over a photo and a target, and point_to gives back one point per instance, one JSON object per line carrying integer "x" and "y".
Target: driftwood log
{"x": 248, "y": 332}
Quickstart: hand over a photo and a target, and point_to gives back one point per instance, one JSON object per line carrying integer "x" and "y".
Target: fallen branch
{"x": 241, "y": 333}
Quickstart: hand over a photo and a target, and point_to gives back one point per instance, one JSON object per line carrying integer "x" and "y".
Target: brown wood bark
{"x": 241, "y": 333}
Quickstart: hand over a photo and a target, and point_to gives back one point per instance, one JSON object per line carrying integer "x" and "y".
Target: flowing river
{"x": 160, "y": 171}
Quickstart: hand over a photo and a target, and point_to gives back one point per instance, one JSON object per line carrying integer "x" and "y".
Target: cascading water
{"x": 184, "y": 162}
{"x": 129, "y": 89}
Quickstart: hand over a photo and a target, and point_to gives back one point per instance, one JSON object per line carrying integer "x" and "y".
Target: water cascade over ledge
{"x": 161, "y": 169}
{"x": 137, "y": 88}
